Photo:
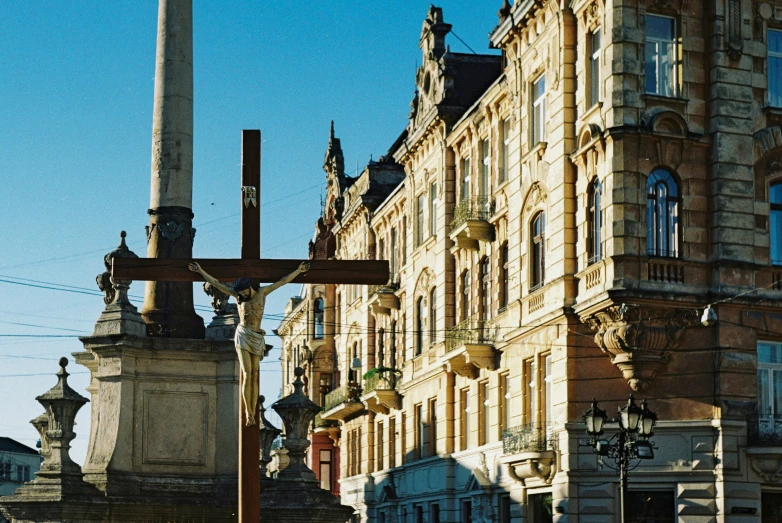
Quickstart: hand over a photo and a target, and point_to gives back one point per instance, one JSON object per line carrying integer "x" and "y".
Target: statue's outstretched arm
{"x": 304, "y": 267}
{"x": 195, "y": 267}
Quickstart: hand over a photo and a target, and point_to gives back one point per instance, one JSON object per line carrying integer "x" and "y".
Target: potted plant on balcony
{"x": 383, "y": 378}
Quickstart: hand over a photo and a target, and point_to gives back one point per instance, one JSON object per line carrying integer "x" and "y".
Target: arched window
{"x": 419, "y": 325}
{"x": 318, "y": 318}
{"x": 465, "y": 283}
{"x": 537, "y": 251}
{"x": 433, "y": 316}
{"x": 485, "y": 289}
{"x": 662, "y": 214}
{"x": 595, "y": 221}
{"x": 775, "y": 223}
{"x": 503, "y": 279}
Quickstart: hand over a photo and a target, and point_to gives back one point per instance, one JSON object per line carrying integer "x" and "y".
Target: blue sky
{"x": 76, "y": 84}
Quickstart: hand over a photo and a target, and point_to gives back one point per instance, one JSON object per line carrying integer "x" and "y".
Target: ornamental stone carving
{"x": 637, "y": 338}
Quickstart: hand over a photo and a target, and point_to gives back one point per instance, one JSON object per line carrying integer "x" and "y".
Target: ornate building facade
{"x": 557, "y": 218}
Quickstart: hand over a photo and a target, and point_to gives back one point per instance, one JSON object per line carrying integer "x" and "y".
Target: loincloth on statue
{"x": 249, "y": 340}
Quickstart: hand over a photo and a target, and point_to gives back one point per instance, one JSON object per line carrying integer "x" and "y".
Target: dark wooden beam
{"x": 356, "y": 272}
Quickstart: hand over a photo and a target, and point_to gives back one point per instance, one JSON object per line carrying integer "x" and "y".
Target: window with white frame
{"x": 504, "y": 151}
{"x": 465, "y": 295}
{"x": 775, "y": 67}
{"x": 770, "y": 391}
{"x": 539, "y": 110}
{"x": 595, "y": 221}
{"x": 485, "y": 173}
{"x": 433, "y": 316}
{"x": 317, "y": 316}
{"x": 486, "y": 294}
{"x": 662, "y": 214}
{"x": 660, "y": 55}
{"x": 775, "y": 222}
{"x": 433, "y": 201}
{"x": 419, "y": 229}
{"x": 537, "y": 251}
{"x": 594, "y": 67}
{"x": 465, "y": 172}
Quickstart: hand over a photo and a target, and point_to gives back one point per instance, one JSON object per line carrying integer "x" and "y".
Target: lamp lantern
{"x": 595, "y": 418}
{"x": 630, "y": 415}
{"x": 648, "y": 420}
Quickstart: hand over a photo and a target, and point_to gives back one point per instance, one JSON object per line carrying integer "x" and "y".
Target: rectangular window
{"x": 539, "y": 110}
{"x": 530, "y": 392}
{"x": 379, "y": 458}
{"x": 465, "y": 172}
{"x": 419, "y": 514}
{"x": 653, "y": 506}
{"x": 433, "y": 427}
{"x": 660, "y": 55}
{"x": 540, "y": 509}
{"x": 433, "y": 201}
{"x": 404, "y": 240}
{"x": 359, "y": 448}
{"x": 775, "y": 67}
{"x": 434, "y": 513}
{"x": 420, "y": 431}
{"x": 485, "y": 173}
{"x": 467, "y": 511}
{"x": 419, "y": 229}
{"x": 403, "y": 437}
{"x": 503, "y": 395}
{"x": 394, "y": 253}
{"x": 594, "y": 67}
{"x": 769, "y": 430}
{"x": 504, "y": 151}
{"x": 505, "y": 508}
{"x": 464, "y": 408}
{"x": 770, "y": 506}
{"x": 483, "y": 413}
{"x": 392, "y": 436}
{"x": 504, "y": 281}
{"x": 325, "y": 469}
{"x": 548, "y": 399}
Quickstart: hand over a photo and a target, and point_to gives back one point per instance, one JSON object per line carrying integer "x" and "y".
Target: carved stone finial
{"x": 297, "y": 412}
{"x": 61, "y": 403}
{"x": 116, "y": 291}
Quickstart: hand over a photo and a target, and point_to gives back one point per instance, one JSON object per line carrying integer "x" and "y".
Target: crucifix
{"x": 257, "y": 270}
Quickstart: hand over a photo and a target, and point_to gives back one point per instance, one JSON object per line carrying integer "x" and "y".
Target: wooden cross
{"x": 359, "y": 272}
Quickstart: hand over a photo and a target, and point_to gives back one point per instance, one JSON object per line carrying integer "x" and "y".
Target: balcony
{"x": 325, "y": 426}
{"x": 382, "y": 298}
{"x": 380, "y": 394}
{"x": 470, "y": 223}
{"x": 764, "y": 450}
{"x": 530, "y": 451}
{"x": 342, "y": 403}
{"x": 469, "y": 347}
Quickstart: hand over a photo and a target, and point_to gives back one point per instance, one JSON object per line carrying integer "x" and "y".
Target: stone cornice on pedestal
{"x": 637, "y": 338}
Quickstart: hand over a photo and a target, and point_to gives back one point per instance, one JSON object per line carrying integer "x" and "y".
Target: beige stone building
{"x": 557, "y": 218}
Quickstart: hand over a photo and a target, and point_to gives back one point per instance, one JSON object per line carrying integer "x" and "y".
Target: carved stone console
{"x": 637, "y": 338}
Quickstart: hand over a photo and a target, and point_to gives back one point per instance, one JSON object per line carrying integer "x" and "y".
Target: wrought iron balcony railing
{"x": 341, "y": 395}
{"x": 389, "y": 288}
{"x": 470, "y": 331}
{"x": 472, "y": 209}
{"x": 764, "y": 432}
{"x": 380, "y": 381}
{"x": 532, "y": 437}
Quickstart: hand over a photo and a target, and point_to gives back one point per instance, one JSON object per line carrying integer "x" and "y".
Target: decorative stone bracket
{"x": 636, "y": 338}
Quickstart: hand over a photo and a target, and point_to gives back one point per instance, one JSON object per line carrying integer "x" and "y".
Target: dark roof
{"x": 11, "y": 445}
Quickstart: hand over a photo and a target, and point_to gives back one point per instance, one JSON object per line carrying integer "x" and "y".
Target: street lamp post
{"x": 631, "y": 442}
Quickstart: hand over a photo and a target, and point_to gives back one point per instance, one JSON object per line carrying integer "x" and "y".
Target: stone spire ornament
{"x": 296, "y": 496}
{"x": 120, "y": 316}
{"x": 59, "y": 477}
{"x": 504, "y": 11}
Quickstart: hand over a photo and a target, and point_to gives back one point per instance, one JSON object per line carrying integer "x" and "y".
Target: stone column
{"x": 168, "y": 306}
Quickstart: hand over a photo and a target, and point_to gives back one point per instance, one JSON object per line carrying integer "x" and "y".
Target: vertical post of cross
{"x": 250, "y": 437}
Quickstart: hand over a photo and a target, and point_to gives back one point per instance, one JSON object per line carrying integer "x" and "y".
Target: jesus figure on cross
{"x": 249, "y": 342}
